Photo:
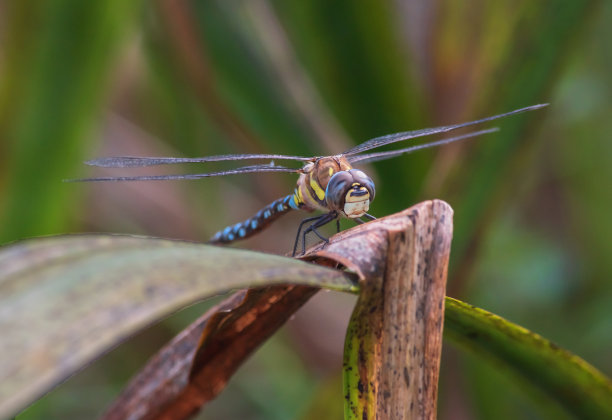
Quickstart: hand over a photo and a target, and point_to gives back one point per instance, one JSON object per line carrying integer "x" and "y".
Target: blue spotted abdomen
{"x": 256, "y": 223}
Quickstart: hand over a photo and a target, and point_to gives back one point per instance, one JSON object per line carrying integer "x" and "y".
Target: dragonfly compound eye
{"x": 350, "y": 192}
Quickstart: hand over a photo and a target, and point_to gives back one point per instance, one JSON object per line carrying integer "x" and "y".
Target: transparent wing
{"x": 375, "y": 157}
{"x": 241, "y": 170}
{"x": 393, "y": 138}
{"x": 135, "y": 162}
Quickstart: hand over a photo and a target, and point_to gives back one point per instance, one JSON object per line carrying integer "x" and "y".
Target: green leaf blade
{"x": 576, "y": 385}
{"x": 82, "y": 295}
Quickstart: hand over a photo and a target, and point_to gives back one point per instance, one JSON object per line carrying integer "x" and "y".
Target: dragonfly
{"x": 329, "y": 184}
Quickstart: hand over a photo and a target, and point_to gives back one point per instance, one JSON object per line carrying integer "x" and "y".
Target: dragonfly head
{"x": 350, "y": 192}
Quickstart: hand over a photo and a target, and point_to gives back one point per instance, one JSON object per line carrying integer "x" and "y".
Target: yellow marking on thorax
{"x": 316, "y": 188}
{"x": 308, "y": 198}
{"x": 298, "y": 196}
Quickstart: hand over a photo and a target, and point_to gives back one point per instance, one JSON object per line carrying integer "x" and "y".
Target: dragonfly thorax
{"x": 332, "y": 184}
{"x": 350, "y": 193}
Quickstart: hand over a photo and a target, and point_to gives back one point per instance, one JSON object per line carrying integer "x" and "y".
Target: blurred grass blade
{"x": 525, "y": 69}
{"x": 53, "y": 85}
{"x": 573, "y": 383}
{"x": 66, "y": 300}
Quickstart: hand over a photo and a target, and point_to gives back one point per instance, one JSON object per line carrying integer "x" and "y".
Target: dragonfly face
{"x": 350, "y": 193}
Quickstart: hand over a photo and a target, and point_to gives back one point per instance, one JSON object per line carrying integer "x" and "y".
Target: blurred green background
{"x": 80, "y": 80}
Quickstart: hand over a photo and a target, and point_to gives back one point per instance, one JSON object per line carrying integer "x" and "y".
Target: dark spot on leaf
{"x": 149, "y": 291}
{"x": 420, "y": 312}
{"x": 362, "y": 356}
{"x": 360, "y": 386}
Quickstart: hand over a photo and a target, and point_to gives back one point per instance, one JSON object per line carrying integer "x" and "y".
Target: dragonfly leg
{"x": 323, "y": 220}
{"x": 369, "y": 216}
{"x": 316, "y": 232}
{"x": 338, "y": 225}
{"x": 317, "y": 222}
{"x": 360, "y": 221}
{"x": 302, "y": 223}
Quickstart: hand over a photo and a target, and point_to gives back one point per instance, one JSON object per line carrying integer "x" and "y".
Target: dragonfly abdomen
{"x": 256, "y": 223}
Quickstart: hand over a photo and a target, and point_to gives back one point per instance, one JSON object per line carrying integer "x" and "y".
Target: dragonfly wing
{"x": 136, "y": 162}
{"x": 393, "y": 138}
{"x": 375, "y": 157}
{"x": 241, "y": 170}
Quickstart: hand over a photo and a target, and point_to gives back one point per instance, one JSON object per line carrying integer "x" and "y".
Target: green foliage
{"x": 53, "y": 89}
{"x": 62, "y": 298}
{"x": 74, "y": 297}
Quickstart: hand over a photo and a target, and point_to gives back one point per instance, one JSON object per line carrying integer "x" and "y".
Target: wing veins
{"x": 136, "y": 161}
{"x": 241, "y": 170}
{"x": 407, "y": 135}
{"x": 375, "y": 157}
